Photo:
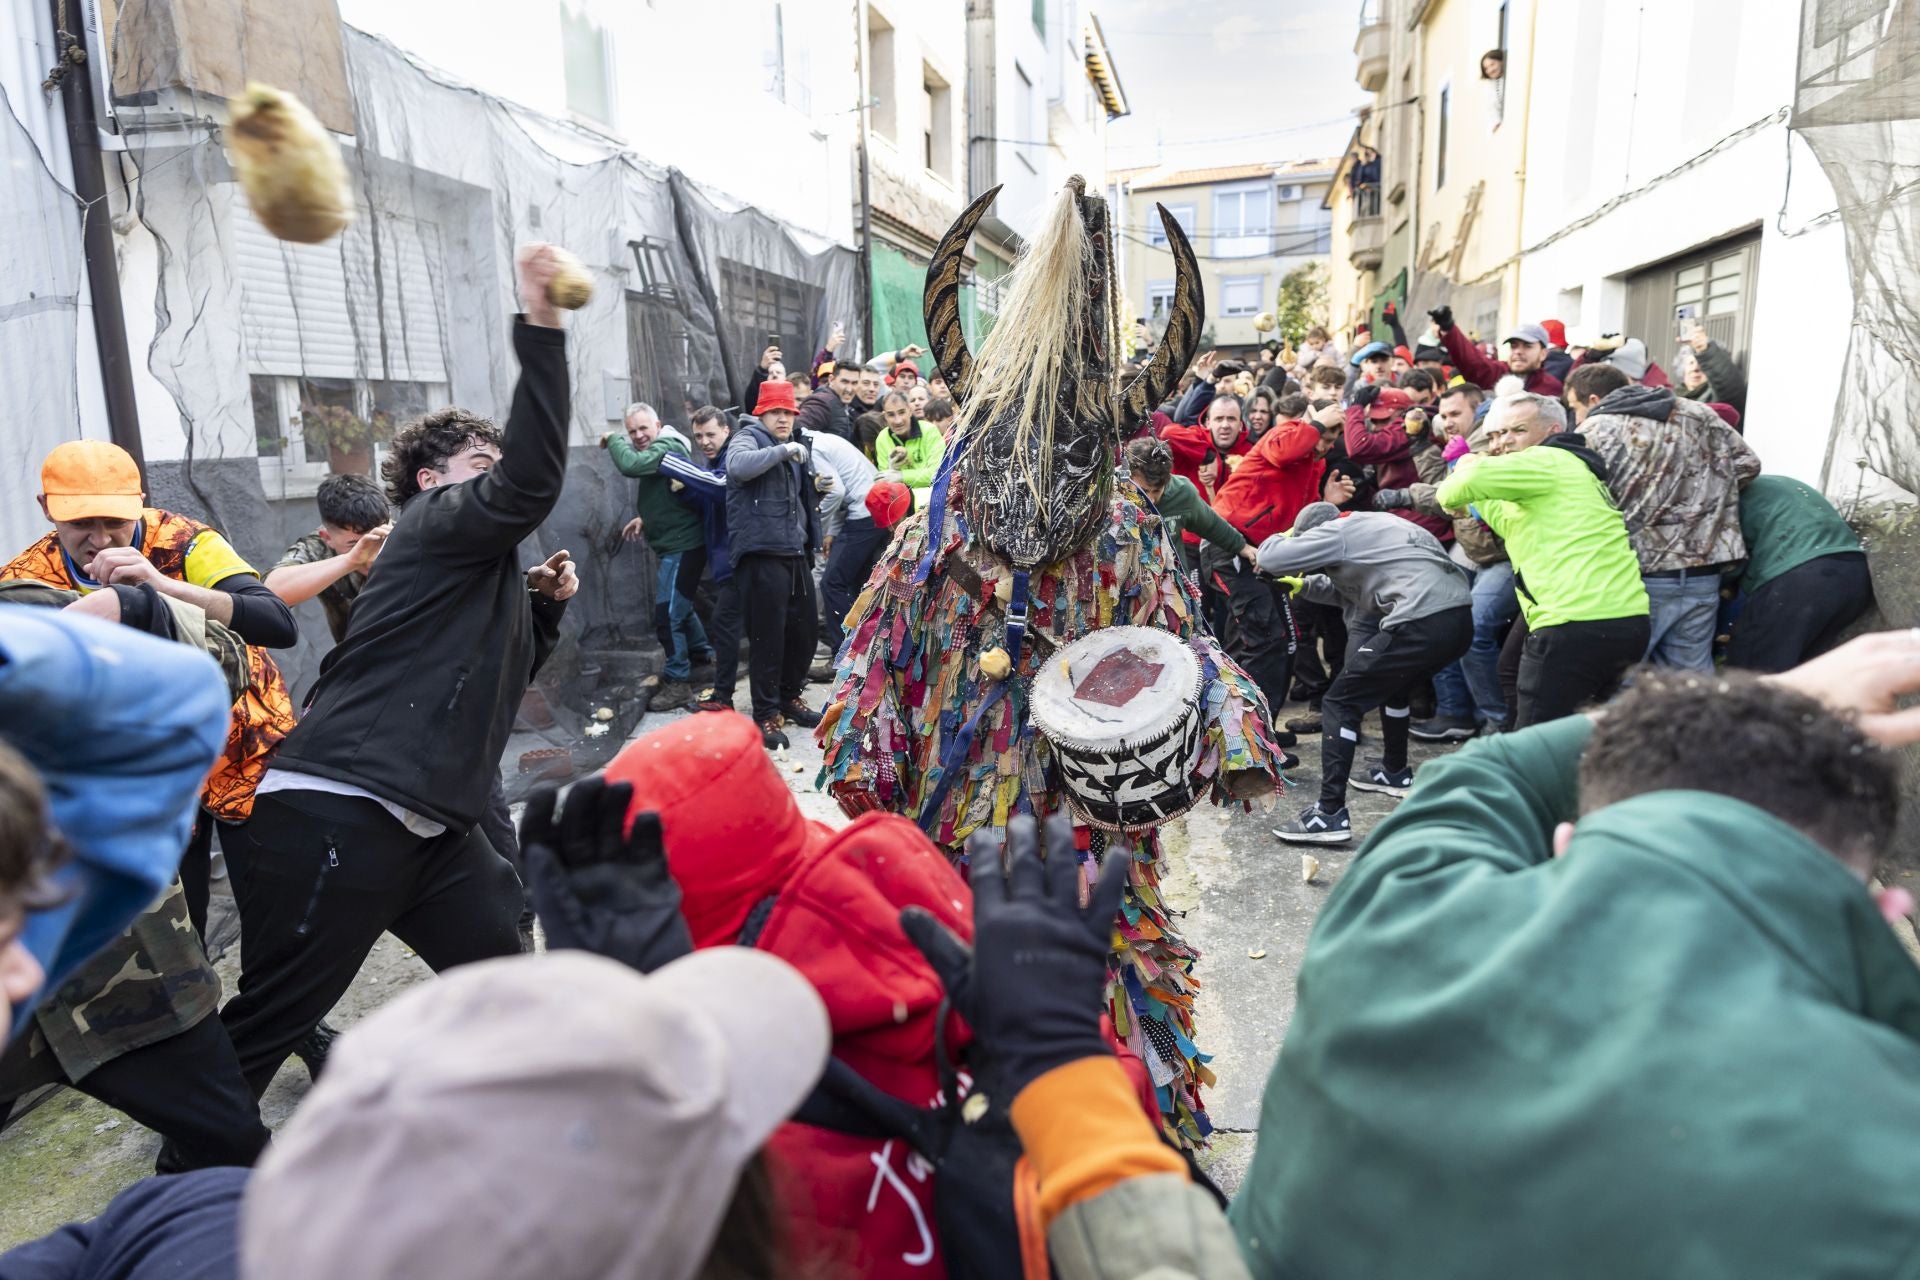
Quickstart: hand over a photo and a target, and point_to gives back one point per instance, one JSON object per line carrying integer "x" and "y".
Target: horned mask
{"x": 1042, "y": 413}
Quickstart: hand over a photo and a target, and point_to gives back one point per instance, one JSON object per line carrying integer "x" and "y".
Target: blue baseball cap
{"x": 1371, "y": 349}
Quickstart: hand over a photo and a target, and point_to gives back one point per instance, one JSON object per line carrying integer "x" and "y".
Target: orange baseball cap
{"x": 91, "y": 479}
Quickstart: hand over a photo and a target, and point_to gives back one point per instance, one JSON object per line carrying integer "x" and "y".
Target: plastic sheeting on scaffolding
{"x": 288, "y": 362}
{"x": 1857, "y": 105}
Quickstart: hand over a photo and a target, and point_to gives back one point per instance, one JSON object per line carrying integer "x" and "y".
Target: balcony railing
{"x": 1366, "y": 234}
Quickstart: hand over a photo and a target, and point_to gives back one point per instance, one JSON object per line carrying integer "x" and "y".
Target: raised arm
{"x": 490, "y": 516}
{"x": 1466, "y": 357}
{"x": 1365, "y": 443}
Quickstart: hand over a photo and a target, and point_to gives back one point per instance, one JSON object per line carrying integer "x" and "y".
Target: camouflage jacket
{"x": 1675, "y": 470}
{"x": 153, "y": 982}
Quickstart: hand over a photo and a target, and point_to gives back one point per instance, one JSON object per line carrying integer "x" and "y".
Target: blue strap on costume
{"x": 937, "y": 514}
{"x": 954, "y": 752}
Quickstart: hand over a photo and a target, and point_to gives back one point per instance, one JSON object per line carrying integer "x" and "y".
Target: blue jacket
{"x": 771, "y": 500}
{"x": 122, "y": 728}
{"x": 705, "y": 490}
{"x": 184, "y": 1225}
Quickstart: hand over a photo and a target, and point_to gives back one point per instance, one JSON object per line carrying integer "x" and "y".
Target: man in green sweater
{"x": 671, "y": 528}
{"x": 1610, "y": 997}
{"x": 1541, "y": 489}
{"x": 1806, "y": 579}
{"x": 908, "y": 448}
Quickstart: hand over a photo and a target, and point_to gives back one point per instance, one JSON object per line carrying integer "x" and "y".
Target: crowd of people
{"x": 1555, "y": 517}
{"x": 1587, "y": 1003}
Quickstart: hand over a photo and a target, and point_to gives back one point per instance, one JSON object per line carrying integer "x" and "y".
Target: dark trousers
{"x": 776, "y": 594}
{"x": 318, "y": 878}
{"x": 1261, "y": 639}
{"x": 196, "y": 872}
{"x": 855, "y": 551}
{"x": 1512, "y": 650}
{"x": 1801, "y": 613}
{"x": 1382, "y": 669}
{"x": 1563, "y": 668}
{"x": 188, "y": 1089}
{"x": 1321, "y": 626}
{"x": 723, "y": 621}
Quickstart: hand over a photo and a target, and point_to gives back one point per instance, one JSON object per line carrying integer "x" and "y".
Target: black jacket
{"x": 771, "y": 499}
{"x": 823, "y": 412}
{"x": 416, "y": 703}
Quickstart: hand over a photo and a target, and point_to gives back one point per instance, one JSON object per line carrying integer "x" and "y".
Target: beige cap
{"x": 558, "y": 1116}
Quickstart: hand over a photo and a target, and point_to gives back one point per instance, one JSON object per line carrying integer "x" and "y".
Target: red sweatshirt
{"x": 1277, "y": 478}
{"x": 1193, "y": 448}
{"x": 1482, "y": 372}
{"x": 1386, "y": 445}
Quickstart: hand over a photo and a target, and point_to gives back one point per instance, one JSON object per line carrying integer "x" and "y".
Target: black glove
{"x": 1389, "y": 499}
{"x": 1442, "y": 318}
{"x": 1031, "y": 985}
{"x": 1366, "y": 393}
{"x": 597, "y": 889}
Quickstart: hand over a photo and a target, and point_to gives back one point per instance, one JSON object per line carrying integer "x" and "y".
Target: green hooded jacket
{"x": 1567, "y": 540}
{"x": 1690, "y": 1047}
{"x": 668, "y": 524}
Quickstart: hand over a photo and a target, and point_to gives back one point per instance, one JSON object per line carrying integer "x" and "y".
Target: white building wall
{"x": 1623, "y": 96}
{"x": 693, "y": 86}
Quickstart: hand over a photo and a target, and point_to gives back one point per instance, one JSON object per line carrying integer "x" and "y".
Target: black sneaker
{"x": 798, "y": 712}
{"x": 1315, "y": 827}
{"x": 314, "y": 1048}
{"x": 1377, "y": 777}
{"x": 1288, "y": 760}
{"x": 770, "y": 736}
{"x": 1444, "y": 729}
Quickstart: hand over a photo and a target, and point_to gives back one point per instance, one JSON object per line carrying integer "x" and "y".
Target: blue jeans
{"x": 1684, "y": 612}
{"x": 1495, "y": 604}
{"x": 683, "y": 625}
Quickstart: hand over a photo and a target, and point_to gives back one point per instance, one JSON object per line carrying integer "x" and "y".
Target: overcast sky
{"x": 1231, "y": 81}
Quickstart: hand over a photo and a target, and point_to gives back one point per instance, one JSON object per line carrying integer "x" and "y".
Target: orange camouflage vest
{"x": 263, "y": 714}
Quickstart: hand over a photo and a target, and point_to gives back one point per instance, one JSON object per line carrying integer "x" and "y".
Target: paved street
{"x": 1239, "y": 887}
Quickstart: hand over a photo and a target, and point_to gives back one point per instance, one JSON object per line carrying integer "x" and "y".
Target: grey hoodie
{"x": 1372, "y": 564}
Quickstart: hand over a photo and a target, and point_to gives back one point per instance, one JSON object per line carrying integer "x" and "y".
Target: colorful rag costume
{"x": 1025, "y": 548}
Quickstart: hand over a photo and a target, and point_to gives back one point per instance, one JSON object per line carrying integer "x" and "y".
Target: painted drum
{"x": 1121, "y": 709}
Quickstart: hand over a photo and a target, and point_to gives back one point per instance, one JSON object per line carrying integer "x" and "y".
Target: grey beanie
{"x": 1315, "y": 514}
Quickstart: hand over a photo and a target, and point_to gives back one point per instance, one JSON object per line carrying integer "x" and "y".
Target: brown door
{"x": 1717, "y": 281}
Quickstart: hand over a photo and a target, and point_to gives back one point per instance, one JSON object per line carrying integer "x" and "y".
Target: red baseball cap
{"x": 776, "y": 395}
{"x": 889, "y": 502}
{"x": 1391, "y": 401}
{"x": 905, "y": 366}
{"x": 1404, "y": 354}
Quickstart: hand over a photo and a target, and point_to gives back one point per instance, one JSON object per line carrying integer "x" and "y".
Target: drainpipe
{"x": 1520, "y": 177}
{"x": 103, "y": 272}
{"x": 866, "y": 184}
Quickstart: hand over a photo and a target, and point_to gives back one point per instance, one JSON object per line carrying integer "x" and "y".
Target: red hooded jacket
{"x": 1193, "y": 448}
{"x": 1273, "y": 482}
{"x": 735, "y": 838}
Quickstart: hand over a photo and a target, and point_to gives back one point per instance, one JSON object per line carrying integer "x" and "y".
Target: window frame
{"x": 1259, "y": 283}
{"x": 1157, "y": 234}
{"x": 1442, "y": 124}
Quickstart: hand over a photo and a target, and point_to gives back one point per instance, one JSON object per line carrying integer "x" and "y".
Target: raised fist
{"x": 1442, "y": 318}
{"x": 1366, "y": 393}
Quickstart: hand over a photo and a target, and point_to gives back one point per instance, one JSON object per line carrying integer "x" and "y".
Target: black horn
{"x": 1144, "y": 394}
{"x": 941, "y": 303}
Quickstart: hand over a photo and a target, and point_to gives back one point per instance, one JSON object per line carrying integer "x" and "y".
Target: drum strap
{"x": 937, "y": 513}
{"x": 954, "y": 752}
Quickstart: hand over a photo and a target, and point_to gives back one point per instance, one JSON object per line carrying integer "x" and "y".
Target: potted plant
{"x": 347, "y": 437}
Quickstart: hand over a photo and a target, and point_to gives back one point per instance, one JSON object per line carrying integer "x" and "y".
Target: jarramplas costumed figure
{"x": 996, "y": 664}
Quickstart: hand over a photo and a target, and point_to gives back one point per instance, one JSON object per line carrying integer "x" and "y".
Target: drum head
{"x": 1114, "y": 686}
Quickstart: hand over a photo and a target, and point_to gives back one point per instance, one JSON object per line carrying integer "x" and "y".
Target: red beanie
{"x": 1556, "y": 331}
{"x": 732, "y": 830}
{"x": 1728, "y": 414}
{"x": 776, "y": 395}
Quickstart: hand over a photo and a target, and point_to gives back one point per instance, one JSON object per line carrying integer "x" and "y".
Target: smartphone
{"x": 773, "y": 339}
{"x": 1685, "y": 316}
